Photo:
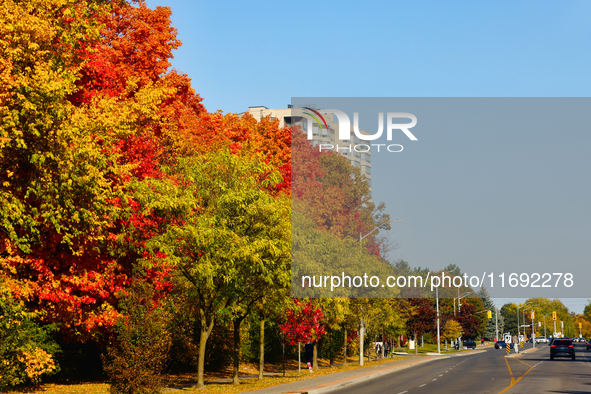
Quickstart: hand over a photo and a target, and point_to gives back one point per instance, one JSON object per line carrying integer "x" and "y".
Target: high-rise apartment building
{"x": 321, "y": 134}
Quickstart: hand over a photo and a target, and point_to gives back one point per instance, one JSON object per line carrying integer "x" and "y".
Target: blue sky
{"x": 241, "y": 54}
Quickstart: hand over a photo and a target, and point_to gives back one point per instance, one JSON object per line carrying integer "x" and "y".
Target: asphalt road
{"x": 488, "y": 371}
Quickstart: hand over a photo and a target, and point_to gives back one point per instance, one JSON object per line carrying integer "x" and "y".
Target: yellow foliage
{"x": 37, "y": 363}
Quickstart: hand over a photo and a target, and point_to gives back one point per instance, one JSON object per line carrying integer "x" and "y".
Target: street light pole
{"x": 438, "y": 334}
{"x": 361, "y": 329}
{"x": 377, "y": 228}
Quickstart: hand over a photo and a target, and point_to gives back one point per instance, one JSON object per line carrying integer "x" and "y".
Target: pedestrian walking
{"x": 309, "y": 349}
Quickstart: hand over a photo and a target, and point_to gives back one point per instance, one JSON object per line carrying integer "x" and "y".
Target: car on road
{"x": 541, "y": 340}
{"x": 589, "y": 345}
{"x": 502, "y": 345}
{"x": 562, "y": 347}
{"x": 470, "y": 344}
{"x": 467, "y": 343}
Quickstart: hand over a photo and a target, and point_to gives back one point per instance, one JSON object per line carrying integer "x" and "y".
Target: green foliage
{"x": 587, "y": 311}
{"x": 140, "y": 351}
{"x": 509, "y": 313}
{"x": 26, "y": 348}
{"x": 227, "y": 235}
{"x": 491, "y": 324}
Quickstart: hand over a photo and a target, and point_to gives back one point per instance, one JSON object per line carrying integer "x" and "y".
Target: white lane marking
{"x": 538, "y": 364}
{"x": 402, "y": 392}
{"x": 441, "y": 374}
{"x": 446, "y": 371}
{"x": 585, "y": 357}
{"x": 423, "y": 385}
{"x": 435, "y": 379}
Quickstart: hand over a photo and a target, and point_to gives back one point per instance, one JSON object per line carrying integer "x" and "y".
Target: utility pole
{"x": 361, "y": 334}
{"x": 518, "y": 332}
{"x": 533, "y": 328}
{"x": 496, "y": 321}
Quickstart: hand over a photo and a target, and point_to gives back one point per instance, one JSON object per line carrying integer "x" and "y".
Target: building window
{"x": 366, "y": 157}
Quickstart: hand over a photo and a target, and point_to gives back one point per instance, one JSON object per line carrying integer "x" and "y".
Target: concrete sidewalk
{"x": 339, "y": 380}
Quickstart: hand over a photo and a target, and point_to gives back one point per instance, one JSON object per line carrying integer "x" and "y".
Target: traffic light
{"x": 554, "y": 316}
{"x": 489, "y": 314}
{"x": 580, "y": 325}
{"x": 532, "y": 315}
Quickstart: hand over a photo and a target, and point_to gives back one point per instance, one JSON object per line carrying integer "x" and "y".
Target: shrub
{"x": 26, "y": 348}
{"x": 139, "y": 352}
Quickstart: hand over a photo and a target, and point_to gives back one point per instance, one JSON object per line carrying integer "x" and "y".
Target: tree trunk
{"x": 330, "y": 350}
{"x": 315, "y": 360}
{"x": 237, "y": 323}
{"x": 299, "y": 357}
{"x": 204, "y": 335}
{"x": 416, "y": 344}
{"x": 345, "y": 349}
{"x": 262, "y": 349}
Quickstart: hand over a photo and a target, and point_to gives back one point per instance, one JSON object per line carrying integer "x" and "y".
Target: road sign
{"x": 508, "y": 347}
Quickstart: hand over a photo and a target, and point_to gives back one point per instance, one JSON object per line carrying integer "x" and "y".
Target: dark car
{"x": 502, "y": 345}
{"x": 589, "y": 345}
{"x": 562, "y": 347}
{"x": 469, "y": 343}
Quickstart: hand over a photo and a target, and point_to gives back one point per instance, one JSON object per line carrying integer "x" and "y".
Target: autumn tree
{"x": 226, "y": 235}
{"x": 470, "y": 322}
{"x": 303, "y": 325}
{"x": 452, "y": 330}
{"x": 422, "y": 319}
{"x": 79, "y": 122}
